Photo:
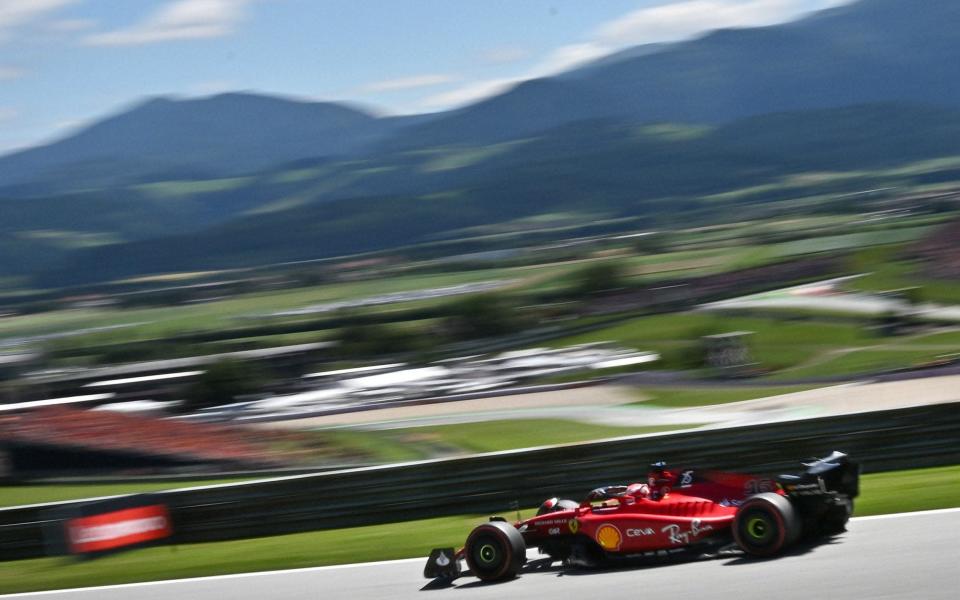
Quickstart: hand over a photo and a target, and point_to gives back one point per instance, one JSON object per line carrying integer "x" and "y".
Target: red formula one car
{"x": 675, "y": 511}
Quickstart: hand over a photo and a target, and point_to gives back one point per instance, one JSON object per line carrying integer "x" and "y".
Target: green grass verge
{"x": 776, "y": 344}
{"x": 151, "y": 323}
{"x": 850, "y": 240}
{"x": 936, "y": 338}
{"x": 415, "y": 443}
{"x": 905, "y": 491}
{"x": 781, "y": 347}
{"x": 866, "y": 361}
{"x": 16, "y": 495}
{"x": 881, "y": 493}
{"x": 684, "y": 397}
{"x": 358, "y": 544}
{"x": 887, "y": 269}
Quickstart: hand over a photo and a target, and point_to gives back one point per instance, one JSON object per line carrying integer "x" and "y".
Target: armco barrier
{"x": 883, "y": 440}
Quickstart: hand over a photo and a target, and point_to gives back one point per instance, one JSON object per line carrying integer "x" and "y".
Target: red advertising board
{"x": 118, "y": 529}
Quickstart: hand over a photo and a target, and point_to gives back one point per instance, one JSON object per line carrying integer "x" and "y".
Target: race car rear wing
{"x": 834, "y": 474}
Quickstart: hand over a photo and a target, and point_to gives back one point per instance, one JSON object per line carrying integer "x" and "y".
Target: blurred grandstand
{"x": 63, "y": 441}
{"x": 58, "y": 440}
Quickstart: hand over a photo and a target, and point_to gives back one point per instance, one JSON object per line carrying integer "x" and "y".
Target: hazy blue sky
{"x": 65, "y": 62}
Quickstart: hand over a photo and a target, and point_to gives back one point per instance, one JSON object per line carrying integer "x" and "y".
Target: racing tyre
{"x": 495, "y": 551}
{"x": 765, "y": 524}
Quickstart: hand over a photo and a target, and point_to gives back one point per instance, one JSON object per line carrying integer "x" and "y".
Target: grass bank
{"x": 703, "y": 396}
{"x": 415, "y": 443}
{"x": 15, "y": 495}
{"x": 775, "y": 344}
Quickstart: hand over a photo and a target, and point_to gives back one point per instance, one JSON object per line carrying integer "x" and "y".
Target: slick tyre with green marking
{"x": 765, "y": 524}
{"x": 495, "y": 551}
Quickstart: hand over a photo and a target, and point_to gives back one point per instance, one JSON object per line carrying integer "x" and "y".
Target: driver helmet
{"x": 658, "y": 479}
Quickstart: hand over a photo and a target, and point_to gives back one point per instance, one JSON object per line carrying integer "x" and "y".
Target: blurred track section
{"x": 911, "y": 555}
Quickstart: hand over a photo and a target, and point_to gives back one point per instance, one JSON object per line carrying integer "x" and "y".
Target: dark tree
{"x": 599, "y": 278}
{"x": 223, "y": 382}
{"x": 484, "y": 315}
{"x": 377, "y": 339}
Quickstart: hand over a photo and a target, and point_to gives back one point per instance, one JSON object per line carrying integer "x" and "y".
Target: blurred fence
{"x": 882, "y": 440}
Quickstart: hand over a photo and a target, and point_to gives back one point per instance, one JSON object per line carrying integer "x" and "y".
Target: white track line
{"x": 938, "y": 511}
{"x": 360, "y": 565}
{"x": 219, "y": 577}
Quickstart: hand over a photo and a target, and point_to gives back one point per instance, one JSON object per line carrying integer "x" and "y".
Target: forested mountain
{"x": 597, "y": 169}
{"x": 169, "y": 138}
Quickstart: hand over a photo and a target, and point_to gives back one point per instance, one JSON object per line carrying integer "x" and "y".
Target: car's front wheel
{"x": 495, "y": 551}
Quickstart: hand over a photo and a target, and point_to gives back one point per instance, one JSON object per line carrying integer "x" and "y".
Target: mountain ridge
{"x": 864, "y": 52}
{"x": 221, "y": 135}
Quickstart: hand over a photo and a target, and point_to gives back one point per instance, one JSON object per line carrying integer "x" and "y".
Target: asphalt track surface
{"x": 911, "y": 555}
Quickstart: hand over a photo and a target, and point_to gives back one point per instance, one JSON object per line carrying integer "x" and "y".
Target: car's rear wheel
{"x": 495, "y": 551}
{"x": 765, "y": 524}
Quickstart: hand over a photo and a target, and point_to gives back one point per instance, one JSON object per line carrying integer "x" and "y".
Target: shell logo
{"x": 609, "y": 537}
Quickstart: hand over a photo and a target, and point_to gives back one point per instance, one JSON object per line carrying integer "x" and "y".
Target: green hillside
{"x": 653, "y": 174}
